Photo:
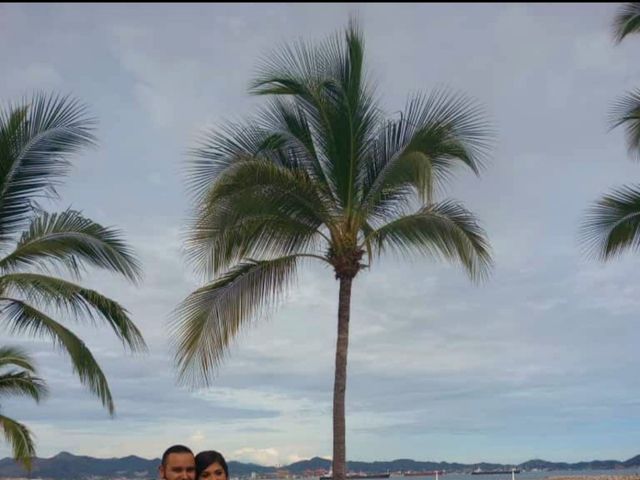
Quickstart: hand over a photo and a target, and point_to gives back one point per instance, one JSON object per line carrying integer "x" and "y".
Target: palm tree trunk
{"x": 340, "y": 382}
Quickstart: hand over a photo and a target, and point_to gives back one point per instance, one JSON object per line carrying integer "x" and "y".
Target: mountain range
{"x": 65, "y": 466}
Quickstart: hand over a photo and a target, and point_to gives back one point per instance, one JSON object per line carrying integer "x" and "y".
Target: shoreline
{"x": 595, "y": 477}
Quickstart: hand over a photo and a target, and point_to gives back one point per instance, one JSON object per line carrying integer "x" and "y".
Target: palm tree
{"x": 320, "y": 175}
{"x": 37, "y": 137}
{"x": 19, "y": 381}
{"x": 612, "y": 224}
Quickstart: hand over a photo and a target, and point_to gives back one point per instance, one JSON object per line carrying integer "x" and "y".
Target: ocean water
{"x": 540, "y": 475}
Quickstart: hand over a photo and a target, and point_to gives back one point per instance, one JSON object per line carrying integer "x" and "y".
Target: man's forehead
{"x": 180, "y": 457}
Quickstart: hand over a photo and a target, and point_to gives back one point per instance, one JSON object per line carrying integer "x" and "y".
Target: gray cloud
{"x": 538, "y": 361}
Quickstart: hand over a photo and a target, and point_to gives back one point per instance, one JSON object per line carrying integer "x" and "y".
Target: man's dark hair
{"x": 174, "y": 449}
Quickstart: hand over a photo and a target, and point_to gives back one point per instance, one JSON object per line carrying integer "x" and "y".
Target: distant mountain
{"x": 315, "y": 463}
{"x": 633, "y": 462}
{"x": 65, "y": 466}
{"x": 239, "y": 469}
{"x": 593, "y": 465}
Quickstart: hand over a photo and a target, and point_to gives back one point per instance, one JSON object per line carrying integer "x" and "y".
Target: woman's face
{"x": 213, "y": 472}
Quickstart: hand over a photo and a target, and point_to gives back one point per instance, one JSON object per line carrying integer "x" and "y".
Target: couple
{"x": 178, "y": 463}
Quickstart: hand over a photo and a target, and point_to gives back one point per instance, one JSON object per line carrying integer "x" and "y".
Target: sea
{"x": 530, "y": 475}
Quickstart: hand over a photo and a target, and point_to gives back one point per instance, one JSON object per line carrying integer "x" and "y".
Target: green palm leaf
{"x": 328, "y": 84}
{"x": 20, "y": 382}
{"x": 70, "y": 240}
{"x": 256, "y": 209}
{"x": 17, "y": 357}
{"x": 219, "y": 150}
{"x": 20, "y": 439}
{"x": 36, "y": 139}
{"x": 626, "y": 21}
{"x": 209, "y": 318}
{"x": 23, "y": 318}
{"x": 420, "y": 151}
{"x": 626, "y": 111}
{"x": 445, "y": 230}
{"x": 613, "y": 223}
{"x": 72, "y": 299}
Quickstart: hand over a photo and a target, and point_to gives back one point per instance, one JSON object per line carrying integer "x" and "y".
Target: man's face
{"x": 179, "y": 466}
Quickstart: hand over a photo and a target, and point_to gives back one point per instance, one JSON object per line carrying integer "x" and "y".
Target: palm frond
{"x": 257, "y": 210}
{"x": 37, "y": 138}
{"x": 222, "y": 148}
{"x": 68, "y": 239}
{"x": 442, "y": 230}
{"x": 288, "y": 123}
{"x": 626, "y": 21}
{"x": 23, "y": 384}
{"x": 292, "y": 69}
{"x": 420, "y": 151}
{"x": 208, "y": 319}
{"x": 20, "y": 381}
{"x": 215, "y": 246}
{"x": 612, "y": 224}
{"x": 17, "y": 357}
{"x": 626, "y": 111}
{"x": 82, "y": 303}
{"x": 328, "y": 85}
{"x": 20, "y": 439}
{"x": 352, "y": 115}
{"x": 23, "y": 318}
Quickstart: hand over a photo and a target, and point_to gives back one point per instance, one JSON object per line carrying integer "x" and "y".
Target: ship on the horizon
{"x": 479, "y": 471}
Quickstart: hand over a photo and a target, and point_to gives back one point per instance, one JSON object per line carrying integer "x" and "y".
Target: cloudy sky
{"x": 539, "y": 361}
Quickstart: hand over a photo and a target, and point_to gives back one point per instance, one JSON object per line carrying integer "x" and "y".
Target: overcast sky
{"x": 540, "y": 361}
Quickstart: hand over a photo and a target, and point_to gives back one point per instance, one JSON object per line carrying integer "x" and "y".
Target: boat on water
{"x": 495, "y": 472}
{"x": 359, "y": 476}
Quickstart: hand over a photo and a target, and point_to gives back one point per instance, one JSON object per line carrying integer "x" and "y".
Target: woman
{"x": 211, "y": 465}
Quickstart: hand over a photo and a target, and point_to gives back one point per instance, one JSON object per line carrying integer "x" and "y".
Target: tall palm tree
{"x": 19, "y": 381}
{"x": 320, "y": 175}
{"x": 612, "y": 224}
{"x": 37, "y": 137}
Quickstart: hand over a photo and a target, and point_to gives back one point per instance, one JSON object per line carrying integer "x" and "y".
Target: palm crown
{"x": 37, "y": 137}
{"x": 320, "y": 174}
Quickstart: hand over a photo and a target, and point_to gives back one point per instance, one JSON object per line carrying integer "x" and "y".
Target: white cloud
{"x": 265, "y": 456}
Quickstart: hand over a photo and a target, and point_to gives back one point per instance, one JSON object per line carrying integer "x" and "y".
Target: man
{"x": 178, "y": 463}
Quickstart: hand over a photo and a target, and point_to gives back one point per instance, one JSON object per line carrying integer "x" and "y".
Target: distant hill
{"x": 633, "y": 462}
{"x": 314, "y": 463}
{"x": 593, "y": 465}
{"x": 68, "y": 466}
{"x": 65, "y": 466}
{"x": 239, "y": 469}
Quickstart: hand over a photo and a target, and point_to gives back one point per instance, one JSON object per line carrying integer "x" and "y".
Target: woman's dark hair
{"x": 207, "y": 458}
